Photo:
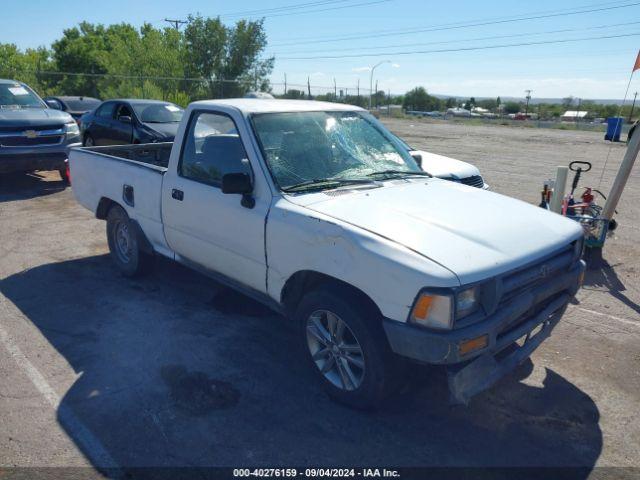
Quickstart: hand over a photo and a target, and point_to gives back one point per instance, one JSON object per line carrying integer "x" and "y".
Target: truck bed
{"x": 153, "y": 154}
{"x": 100, "y": 173}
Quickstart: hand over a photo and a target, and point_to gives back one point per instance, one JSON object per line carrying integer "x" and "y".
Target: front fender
{"x": 388, "y": 273}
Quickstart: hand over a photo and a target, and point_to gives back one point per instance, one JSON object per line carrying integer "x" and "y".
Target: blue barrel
{"x": 614, "y": 127}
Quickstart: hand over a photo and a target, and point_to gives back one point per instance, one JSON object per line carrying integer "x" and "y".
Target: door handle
{"x": 177, "y": 194}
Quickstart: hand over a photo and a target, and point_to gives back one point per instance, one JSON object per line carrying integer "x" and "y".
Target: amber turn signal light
{"x": 468, "y": 346}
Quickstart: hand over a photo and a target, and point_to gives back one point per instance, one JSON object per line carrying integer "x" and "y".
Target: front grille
{"x": 30, "y": 142}
{"x": 533, "y": 311}
{"x": 38, "y": 128}
{"x": 538, "y": 272}
{"x": 31, "y": 136}
{"x": 473, "y": 181}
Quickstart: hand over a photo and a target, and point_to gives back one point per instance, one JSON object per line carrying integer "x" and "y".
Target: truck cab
{"x": 319, "y": 212}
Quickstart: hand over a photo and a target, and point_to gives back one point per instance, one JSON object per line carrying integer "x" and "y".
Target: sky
{"x": 594, "y": 43}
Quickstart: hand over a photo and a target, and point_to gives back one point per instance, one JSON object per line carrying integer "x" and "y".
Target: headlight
{"x": 466, "y": 302}
{"x": 435, "y": 311}
{"x": 71, "y": 129}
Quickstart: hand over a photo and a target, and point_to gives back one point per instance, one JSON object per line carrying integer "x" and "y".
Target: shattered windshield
{"x": 303, "y": 147}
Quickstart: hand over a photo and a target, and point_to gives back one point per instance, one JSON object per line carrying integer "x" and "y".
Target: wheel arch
{"x": 304, "y": 281}
{"x": 102, "y": 211}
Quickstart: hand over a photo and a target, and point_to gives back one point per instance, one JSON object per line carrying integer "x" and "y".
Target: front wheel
{"x": 123, "y": 244}
{"x": 346, "y": 348}
{"x": 88, "y": 141}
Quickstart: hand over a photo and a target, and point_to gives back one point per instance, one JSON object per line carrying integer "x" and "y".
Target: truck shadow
{"x": 22, "y": 186}
{"x": 176, "y": 372}
{"x": 606, "y": 277}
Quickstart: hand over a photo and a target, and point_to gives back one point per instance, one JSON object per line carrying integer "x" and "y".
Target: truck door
{"x": 203, "y": 225}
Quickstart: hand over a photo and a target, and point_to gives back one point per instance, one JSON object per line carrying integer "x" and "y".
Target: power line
{"x": 178, "y": 79}
{"x": 297, "y": 6}
{"x": 445, "y": 42}
{"x": 361, "y": 4}
{"x": 470, "y": 24}
{"x": 462, "y": 49}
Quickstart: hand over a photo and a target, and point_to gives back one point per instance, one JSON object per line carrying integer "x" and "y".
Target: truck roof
{"x": 259, "y": 105}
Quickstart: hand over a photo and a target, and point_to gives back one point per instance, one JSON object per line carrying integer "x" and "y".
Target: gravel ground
{"x": 173, "y": 370}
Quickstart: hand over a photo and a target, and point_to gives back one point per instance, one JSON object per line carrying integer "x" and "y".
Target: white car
{"x": 318, "y": 211}
{"x": 447, "y": 168}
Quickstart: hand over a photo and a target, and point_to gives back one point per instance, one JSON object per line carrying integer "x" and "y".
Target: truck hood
{"x": 445, "y": 167}
{"x": 474, "y": 233}
{"x": 32, "y": 117}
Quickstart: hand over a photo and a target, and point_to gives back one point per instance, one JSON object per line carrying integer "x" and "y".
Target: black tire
{"x": 88, "y": 141}
{"x": 380, "y": 375}
{"x": 123, "y": 244}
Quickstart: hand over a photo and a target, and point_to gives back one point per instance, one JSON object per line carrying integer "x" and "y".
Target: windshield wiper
{"x": 400, "y": 172}
{"x": 321, "y": 183}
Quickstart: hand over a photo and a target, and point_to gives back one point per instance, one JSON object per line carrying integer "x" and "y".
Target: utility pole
{"x": 389, "y": 103}
{"x": 309, "y": 87}
{"x": 528, "y": 97}
{"x": 376, "y": 94}
{"x": 175, "y": 23}
{"x": 632, "y": 106}
{"x": 358, "y": 89}
{"x": 578, "y": 112}
{"x": 285, "y": 84}
{"x": 371, "y": 79}
{"x": 335, "y": 88}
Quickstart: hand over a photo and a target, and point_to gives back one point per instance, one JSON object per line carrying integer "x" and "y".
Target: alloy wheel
{"x": 335, "y": 350}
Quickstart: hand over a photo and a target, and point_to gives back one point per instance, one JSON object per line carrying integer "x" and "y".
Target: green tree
{"x": 511, "y": 107}
{"x": 294, "y": 94}
{"x": 228, "y": 58}
{"x": 418, "y": 99}
{"x": 81, "y": 49}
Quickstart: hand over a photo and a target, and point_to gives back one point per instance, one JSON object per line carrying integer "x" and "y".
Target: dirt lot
{"x": 174, "y": 370}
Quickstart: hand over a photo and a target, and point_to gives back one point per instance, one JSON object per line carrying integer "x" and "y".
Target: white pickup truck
{"x": 318, "y": 211}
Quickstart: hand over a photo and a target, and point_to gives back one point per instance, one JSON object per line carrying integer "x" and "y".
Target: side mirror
{"x": 53, "y": 104}
{"x": 418, "y": 158}
{"x": 239, "y": 183}
{"x": 125, "y": 119}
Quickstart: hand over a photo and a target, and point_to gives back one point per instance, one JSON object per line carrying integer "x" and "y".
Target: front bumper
{"x": 25, "y": 159}
{"x": 539, "y": 309}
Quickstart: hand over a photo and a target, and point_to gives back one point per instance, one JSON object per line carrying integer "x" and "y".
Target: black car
{"x": 74, "y": 106}
{"x": 120, "y": 122}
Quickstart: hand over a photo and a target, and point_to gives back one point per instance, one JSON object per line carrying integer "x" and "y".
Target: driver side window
{"x": 123, "y": 111}
{"x": 212, "y": 149}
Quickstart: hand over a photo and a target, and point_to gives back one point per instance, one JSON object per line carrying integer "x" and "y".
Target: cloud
{"x": 361, "y": 69}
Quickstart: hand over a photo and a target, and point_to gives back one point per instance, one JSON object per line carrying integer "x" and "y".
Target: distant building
{"x": 573, "y": 115}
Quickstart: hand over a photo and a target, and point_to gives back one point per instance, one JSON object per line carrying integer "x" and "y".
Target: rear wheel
{"x": 123, "y": 244}
{"x": 346, "y": 348}
{"x": 88, "y": 141}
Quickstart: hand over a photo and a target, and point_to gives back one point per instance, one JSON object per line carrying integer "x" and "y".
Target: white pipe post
{"x": 621, "y": 178}
{"x": 559, "y": 188}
